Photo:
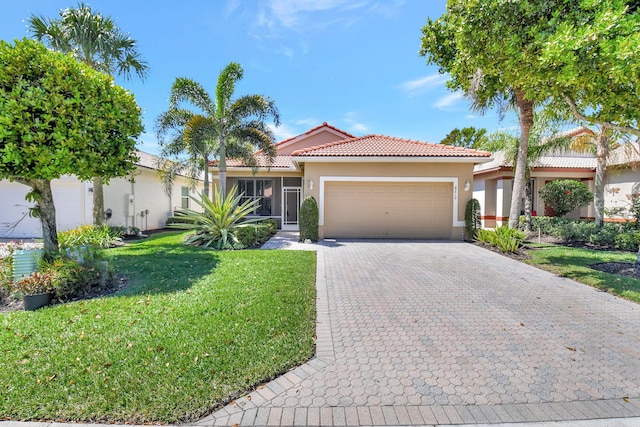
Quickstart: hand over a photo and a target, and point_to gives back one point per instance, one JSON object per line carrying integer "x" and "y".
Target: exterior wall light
{"x": 310, "y": 184}
{"x": 467, "y": 186}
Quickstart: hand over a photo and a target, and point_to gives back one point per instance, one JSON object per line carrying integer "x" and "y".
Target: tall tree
{"x": 482, "y": 44}
{"x": 468, "y": 137}
{"x": 52, "y": 108}
{"x": 220, "y": 128}
{"x": 573, "y": 52}
{"x": 97, "y": 41}
{"x": 545, "y": 138}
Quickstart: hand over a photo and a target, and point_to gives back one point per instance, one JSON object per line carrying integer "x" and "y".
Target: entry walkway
{"x": 436, "y": 333}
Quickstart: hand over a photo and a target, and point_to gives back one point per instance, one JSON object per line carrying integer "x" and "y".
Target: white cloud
{"x": 355, "y": 125}
{"x": 423, "y": 84}
{"x": 448, "y": 100}
{"x": 293, "y": 13}
{"x": 310, "y": 121}
{"x": 282, "y": 132}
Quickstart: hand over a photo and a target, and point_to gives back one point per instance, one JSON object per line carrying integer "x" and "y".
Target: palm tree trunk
{"x": 602, "y": 152}
{"x": 222, "y": 167}
{"x": 526, "y": 123}
{"x": 46, "y": 211}
{"x": 98, "y": 201}
{"x": 206, "y": 177}
{"x": 527, "y": 204}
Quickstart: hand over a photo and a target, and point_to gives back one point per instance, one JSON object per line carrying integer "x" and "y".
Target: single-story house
{"x": 136, "y": 201}
{"x": 372, "y": 186}
{"x": 622, "y": 182}
{"x": 493, "y": 182}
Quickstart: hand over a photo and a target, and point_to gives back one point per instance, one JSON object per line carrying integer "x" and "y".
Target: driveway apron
{"x": 436, "y": 333}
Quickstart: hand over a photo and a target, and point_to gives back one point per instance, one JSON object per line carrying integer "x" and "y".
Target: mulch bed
{"x": 627, "y": 269}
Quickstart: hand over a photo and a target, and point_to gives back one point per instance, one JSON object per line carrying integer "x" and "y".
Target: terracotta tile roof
{"x": 566, "y": 160}
{"x": 626, "y": 154}
{"x": 386, "y": 146}
{"x": 312, "y": 130}
{"x": 279, "y": 162}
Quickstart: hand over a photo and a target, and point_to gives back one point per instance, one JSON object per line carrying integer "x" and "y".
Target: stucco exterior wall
{"x": 620, "y": 188}
{"x": 323, "y": 137}
{"x": 461, "y": 172}
{"x": 73, "y": 200}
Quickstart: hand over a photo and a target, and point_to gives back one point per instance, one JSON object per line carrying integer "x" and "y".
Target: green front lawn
{"x": 574, "y": 263}
{"x": 194, "y": 328}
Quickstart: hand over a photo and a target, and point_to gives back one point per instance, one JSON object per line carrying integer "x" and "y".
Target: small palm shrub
{"x": 504, "y": 238}
{"x": 472, "y": 219}
{"x": 217, "y": 223}
{"x": 565, "y": 195}
{"x": 99, "y": 236}
{"x": 309, "y": 216}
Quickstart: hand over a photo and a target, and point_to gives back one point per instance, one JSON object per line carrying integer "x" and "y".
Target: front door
{"x": 291, "y": 199}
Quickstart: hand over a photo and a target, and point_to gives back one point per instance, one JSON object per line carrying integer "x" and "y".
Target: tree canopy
{"x": 59, "y": 116}
{"x": 468, "y": 137}
{"x": 220, "y": 128}
{"x": 98, "y": 42}
{"x": 574, "y": 54}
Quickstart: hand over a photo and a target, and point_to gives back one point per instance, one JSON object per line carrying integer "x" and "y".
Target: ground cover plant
{"x": 194, "y": 328}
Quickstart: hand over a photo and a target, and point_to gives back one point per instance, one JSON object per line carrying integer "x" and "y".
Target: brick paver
{"x": 449, "y": 333}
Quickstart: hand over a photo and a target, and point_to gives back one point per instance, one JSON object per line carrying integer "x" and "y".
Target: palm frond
{"x": 92, "y": 38}
{"x": 190, "y": 91}
{"x": 225, "y": 88}
{"x": 258, "y": 106}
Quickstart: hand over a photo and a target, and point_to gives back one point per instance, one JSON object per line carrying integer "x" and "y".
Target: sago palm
{"x": 215, "y": 223}
{"x": 218, "y": 128}
{"x": 98, "y": 42}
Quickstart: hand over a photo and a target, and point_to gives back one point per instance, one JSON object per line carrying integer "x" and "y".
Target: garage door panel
{"x": 394, "y": 210}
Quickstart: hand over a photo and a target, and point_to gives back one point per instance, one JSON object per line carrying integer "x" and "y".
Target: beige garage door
{"x": 384, "y": 209}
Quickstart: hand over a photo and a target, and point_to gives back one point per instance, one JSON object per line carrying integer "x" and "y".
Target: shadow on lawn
{"x": 155, "y": 268}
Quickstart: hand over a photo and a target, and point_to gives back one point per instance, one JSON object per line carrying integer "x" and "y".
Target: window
{"x": 184, "y": 198}
{"x": 257, "y": 189}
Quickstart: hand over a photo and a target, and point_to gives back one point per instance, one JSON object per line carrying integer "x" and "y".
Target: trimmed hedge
{"x": 309, "y": 216}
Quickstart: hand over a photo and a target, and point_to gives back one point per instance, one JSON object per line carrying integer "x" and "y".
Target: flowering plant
{"x": 36, "y": 283}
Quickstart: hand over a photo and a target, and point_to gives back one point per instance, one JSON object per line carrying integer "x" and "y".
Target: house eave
{"x": 387, "y": 159}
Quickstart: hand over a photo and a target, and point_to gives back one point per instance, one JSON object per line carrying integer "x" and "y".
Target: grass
{"x": 574, "y": 263}
{"x": 194, "y": 329}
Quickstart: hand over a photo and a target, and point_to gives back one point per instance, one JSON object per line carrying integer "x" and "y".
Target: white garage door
{"x": 418, "y": 210}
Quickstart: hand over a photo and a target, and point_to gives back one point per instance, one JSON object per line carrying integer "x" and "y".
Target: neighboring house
{"x": 493, "y": 182}
{"x": 137, "y": 201}
{"x": 366, "y": 187}
{"x": 623, "y": 181}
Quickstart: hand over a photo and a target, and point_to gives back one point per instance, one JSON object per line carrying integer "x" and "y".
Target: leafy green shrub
{"x": 472, "y": 219}
{"x": 309, "y": 216}
{"x": 627, "y": 241}
{"x": 254, "y": 235}
{"x": 565, "y": 195}
{"x": 504, "y": 238}
{"x": 6, "y": 276}
{"x": 78, "y": 274}
{"x": 99, "y": 236}
{"x": 635, "y": 210}
{"x": 36, "y": 283}
{"x": 217, "y": 224}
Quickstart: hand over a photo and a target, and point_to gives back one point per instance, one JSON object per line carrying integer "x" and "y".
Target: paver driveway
{"x": 450, "y": 333}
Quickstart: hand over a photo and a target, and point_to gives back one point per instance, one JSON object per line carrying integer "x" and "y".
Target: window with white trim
{"x": 257, "y": 189}
{"x": 184, "y": 198}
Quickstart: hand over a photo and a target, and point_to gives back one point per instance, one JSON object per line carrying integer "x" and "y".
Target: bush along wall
{"x": 309, "y": 219}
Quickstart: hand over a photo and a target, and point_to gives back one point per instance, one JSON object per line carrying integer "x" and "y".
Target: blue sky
{"x": 351, "y": 63}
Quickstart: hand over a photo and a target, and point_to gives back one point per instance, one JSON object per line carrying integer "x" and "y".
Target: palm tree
{"x": 218, "y": 129}
{"x": 600, "y": 142}
{"x": 543, "y": 138}
{"x": 98, "y": 42}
